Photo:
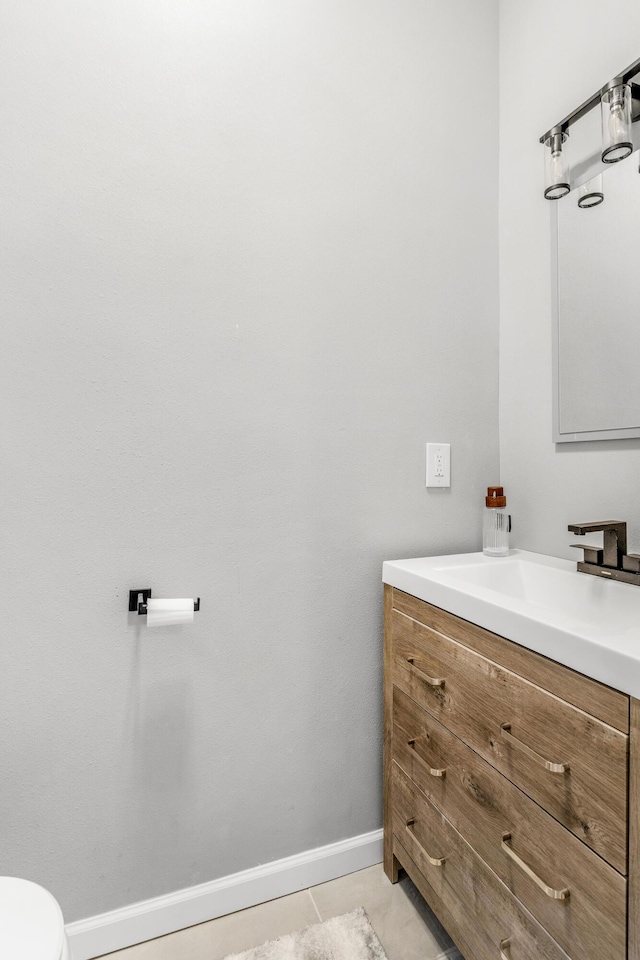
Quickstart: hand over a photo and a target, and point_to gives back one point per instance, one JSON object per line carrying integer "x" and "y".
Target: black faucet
{"x": 614, "y": 545}
{"x": 611, "y": 560}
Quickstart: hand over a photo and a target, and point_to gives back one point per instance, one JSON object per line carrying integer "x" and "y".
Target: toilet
{"x": 31, "y": 924}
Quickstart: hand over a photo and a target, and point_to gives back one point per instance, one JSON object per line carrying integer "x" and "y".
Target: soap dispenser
{"x": 496, "y": 526}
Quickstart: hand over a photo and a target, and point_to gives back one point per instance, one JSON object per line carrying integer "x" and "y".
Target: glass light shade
{"x": 591, "y": 193}
{"x": 556, "y": 168}
{"x": 616, "y": 123}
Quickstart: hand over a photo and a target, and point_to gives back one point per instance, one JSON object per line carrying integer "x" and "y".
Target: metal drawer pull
{"x": 435, "y": 862}
{"x": 505, "y": 729}
{"x": 432, "y": 770}
{"x": 432, "y": 681}
{"x": 504, "y": 946}
{"x": 550, "y": 892}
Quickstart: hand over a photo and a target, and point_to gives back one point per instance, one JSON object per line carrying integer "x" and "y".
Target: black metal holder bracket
{"x": 138, "y": 602}
{"x": 138, "y": 599}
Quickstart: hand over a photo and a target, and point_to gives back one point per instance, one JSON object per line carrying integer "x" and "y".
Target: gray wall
{"x": 552, "y": 57}
{"x": 249, "y": 262}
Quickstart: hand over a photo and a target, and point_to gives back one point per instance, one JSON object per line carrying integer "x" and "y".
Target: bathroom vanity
{"x": 510, "y": 774}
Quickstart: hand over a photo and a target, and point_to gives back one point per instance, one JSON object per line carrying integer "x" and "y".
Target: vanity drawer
{"x": 596, "y": 699}
{"x": 484, "y": 807}
{"x": 480, "y": 909}
{"x": 572, "y": 764}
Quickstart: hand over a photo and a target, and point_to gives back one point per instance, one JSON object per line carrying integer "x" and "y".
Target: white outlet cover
{"x": 438, "y": 465}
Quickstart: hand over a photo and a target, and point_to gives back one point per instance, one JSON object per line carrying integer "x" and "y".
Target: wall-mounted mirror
{"x": 596, "y": 296}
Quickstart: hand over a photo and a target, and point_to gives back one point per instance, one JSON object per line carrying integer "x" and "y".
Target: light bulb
{"x": 556, "y": 165}
{"x": 616, "y": 121}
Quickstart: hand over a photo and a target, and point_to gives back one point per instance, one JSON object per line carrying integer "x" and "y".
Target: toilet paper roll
{"x": 163, "y": 613}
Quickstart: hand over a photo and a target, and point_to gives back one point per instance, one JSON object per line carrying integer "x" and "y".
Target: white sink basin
{"x": 543, "y": 603}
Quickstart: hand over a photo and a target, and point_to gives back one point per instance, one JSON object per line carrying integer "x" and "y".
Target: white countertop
{"x": 587, "y": 623}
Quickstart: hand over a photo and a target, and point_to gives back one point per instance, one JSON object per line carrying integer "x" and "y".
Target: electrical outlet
{"x": 438, "y": 465}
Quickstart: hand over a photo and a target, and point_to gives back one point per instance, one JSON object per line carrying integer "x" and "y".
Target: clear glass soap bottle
{"x": 496, "y": 525}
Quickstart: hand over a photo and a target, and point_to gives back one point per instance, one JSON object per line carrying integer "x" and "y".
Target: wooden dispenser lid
{"x": 495, "y": 497}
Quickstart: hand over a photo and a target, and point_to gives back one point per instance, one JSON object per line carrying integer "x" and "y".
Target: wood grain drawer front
{"x": 484, "y": 806}
{"x": 570, "y": 763}
{"x": 589, "y": 695}
{"x": 486, "y": 915}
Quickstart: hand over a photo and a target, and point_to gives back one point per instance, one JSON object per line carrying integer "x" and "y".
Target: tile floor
{"x": 405, "y": 926}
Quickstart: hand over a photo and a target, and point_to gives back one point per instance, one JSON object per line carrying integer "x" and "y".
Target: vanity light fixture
{"x": 556, "y": 176}
{"x": 619, "y": 102}
{"x": 591, "y": 193}
{"x": 616, "y": 121}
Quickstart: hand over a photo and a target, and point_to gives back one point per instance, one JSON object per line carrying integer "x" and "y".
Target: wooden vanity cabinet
{"x": 508, "y": 781}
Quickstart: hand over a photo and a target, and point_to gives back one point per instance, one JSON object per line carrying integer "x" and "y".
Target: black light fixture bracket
{"x": 594, "y": 101}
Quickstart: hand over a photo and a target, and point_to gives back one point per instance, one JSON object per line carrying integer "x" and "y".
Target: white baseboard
{"x": 126, "y": 926}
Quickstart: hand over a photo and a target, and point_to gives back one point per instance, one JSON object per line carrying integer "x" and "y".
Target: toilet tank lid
{"x": 31, "y": 924}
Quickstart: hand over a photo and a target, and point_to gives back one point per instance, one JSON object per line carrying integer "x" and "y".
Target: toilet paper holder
{"x": 138, "y": 601}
